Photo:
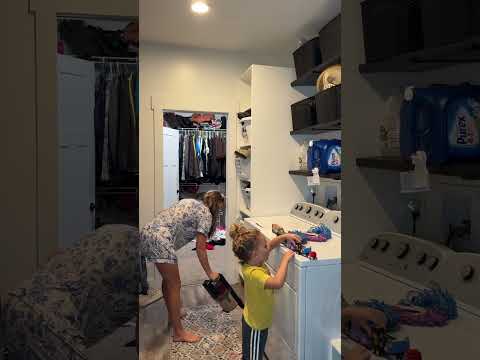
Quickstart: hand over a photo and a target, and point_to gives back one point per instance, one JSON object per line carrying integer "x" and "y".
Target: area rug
{"x": 221, "y": 335}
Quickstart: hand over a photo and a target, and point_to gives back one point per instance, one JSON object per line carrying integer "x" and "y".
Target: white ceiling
{"x": 238, "y": 25}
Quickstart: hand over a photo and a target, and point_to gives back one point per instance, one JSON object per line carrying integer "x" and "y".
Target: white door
{"x": 76, "y": 102}
{"x": 170, "y": 166}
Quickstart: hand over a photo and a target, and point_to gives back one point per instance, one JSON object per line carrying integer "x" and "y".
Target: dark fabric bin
{"x": 390, "y": 28}
{"x": 445, "y": 21}
{"x": 330, "y": 39}
{"x": 307, "y": 57}
{"x": 475, "y": 17}
{"x": 328, "y": 106}
{"x": 304, "y": 113}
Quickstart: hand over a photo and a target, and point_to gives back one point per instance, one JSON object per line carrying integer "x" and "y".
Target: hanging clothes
{"x": 199, "y": 160}
{"x": 116, "y": 121}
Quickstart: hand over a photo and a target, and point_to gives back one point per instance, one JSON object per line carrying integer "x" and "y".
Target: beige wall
{"x": 188, "y": 79}
{"x": 29, "y": 213}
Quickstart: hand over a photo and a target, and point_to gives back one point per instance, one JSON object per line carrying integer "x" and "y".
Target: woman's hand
{"x": 213, "y": 276}
{"x": 357, "y": 353}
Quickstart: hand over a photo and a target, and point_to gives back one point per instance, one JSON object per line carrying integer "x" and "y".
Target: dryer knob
{"x": 321, "y": 215}
{"x": 467, "y": 272}
{"x": 402, "y": 250}
{"x": 373, "y": 243}
{"x": 385, "y": 245}
{"x": 309, "y": 209}
{"x": 421, "y": 257}
{"x": 432, "y": 262}
{"x": 300, "y": 208}
{"x": 316, "y": 213}
{"x": 336, "y": 220}
{"x": 297, "y": 207}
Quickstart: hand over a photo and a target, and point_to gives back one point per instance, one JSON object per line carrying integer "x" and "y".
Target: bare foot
{"x": 185, "y": 336}
{"x": 183, "y": 315}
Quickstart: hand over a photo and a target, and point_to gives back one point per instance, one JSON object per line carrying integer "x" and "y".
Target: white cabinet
{"x": 273, "y": 150}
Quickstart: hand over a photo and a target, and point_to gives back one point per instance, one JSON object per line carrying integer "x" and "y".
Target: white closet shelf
{"x": 248, "y": 118}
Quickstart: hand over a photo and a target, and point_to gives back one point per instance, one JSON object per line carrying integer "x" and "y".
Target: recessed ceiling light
{"x": 200, "y": 6}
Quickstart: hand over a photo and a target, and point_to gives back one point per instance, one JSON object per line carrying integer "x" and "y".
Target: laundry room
{"x": 240, "y": 141}
{"x": 411, "y": 179}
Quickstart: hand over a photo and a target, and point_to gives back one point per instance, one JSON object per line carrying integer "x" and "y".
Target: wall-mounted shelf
{"x": 467, "y": 51}
{"x": 309, "y": 173}
{"x": 318, "y": 129}
{"x": 469, "y": 170}
{"x": 310, "y": 78}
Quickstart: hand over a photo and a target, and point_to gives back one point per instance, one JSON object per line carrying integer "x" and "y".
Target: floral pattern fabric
{"x": 172, "y": 229}
{"x": 80, "y": 296}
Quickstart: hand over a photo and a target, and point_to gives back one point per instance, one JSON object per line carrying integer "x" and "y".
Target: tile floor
{"x": 154, "y": 335}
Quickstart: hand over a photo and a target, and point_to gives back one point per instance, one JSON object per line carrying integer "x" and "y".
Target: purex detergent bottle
{"x": 443, "y": 121}
{"x": 325, "y": 155}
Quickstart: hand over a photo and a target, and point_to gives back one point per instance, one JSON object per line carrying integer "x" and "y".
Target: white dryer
{"x": 392, "y": 264}
{"x": 307, "y": 308}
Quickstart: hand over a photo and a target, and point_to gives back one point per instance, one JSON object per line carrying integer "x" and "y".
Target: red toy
{"x": 312, "y": 255}
{"x": 413, "y": 354}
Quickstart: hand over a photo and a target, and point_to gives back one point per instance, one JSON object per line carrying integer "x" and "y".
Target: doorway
{"x": 97, "y": 68}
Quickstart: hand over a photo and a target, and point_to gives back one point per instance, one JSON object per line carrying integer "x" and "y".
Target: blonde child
{"x": 252, "y": 248}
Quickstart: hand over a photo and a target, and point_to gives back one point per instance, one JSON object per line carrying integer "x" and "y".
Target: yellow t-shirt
{"x": 258, "y": 311}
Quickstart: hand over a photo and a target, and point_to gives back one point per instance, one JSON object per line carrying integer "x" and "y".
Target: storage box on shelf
{"x": 318, "y": 113}
{"x": 423, "y": 34}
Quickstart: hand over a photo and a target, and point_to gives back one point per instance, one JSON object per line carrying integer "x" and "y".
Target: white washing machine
{"x": 392, "y": 264}
{"x": 307, "y": 308}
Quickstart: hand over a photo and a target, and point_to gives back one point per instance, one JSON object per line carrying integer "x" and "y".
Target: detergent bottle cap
{"x": 409, "y": 93}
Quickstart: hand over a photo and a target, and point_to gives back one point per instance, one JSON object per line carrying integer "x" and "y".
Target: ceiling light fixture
{"x": 200, "y": 6}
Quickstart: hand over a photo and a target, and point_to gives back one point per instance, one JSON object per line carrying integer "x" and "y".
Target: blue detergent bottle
{"x": 331, "y": 161}
{"x": 324, "y": 155}
{"x": 441, "y": 120}
{"x": 463, "y": 125}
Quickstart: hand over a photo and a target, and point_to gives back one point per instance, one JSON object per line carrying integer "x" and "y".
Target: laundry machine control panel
{"x": 424, "y": 262}
{"x": 318, "y": 215}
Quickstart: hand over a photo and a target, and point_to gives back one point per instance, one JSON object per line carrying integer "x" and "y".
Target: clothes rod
{"x": 105, "y": 59}
{"x": 194, "y": 129}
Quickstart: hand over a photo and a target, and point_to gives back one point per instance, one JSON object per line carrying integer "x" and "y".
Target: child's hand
{"x": 288, "y": 256}
{"x": 292, "y": 238}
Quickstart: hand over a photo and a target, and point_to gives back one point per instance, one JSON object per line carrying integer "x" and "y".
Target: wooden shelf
{"x": 310, "y": 78}
{"x": 309, "y": 173}
{"x": 467, "y": 51}
{"x": 318, "y": 129}
{"x": 469, "y": 170}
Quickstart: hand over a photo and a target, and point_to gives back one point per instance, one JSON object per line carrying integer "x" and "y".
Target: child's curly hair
{"x": 245, "y": 241}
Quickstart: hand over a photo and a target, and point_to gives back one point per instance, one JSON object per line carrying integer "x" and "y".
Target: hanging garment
{"x": 106, "y": 147}
{"x": 126, "y": 153}
{"x": 113, "y": 124}
{"x": 135, "y": 142}
{"x": 99, "y": 122}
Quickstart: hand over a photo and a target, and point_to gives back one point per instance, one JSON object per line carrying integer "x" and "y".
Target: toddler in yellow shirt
{"x": 252, "y": 248}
